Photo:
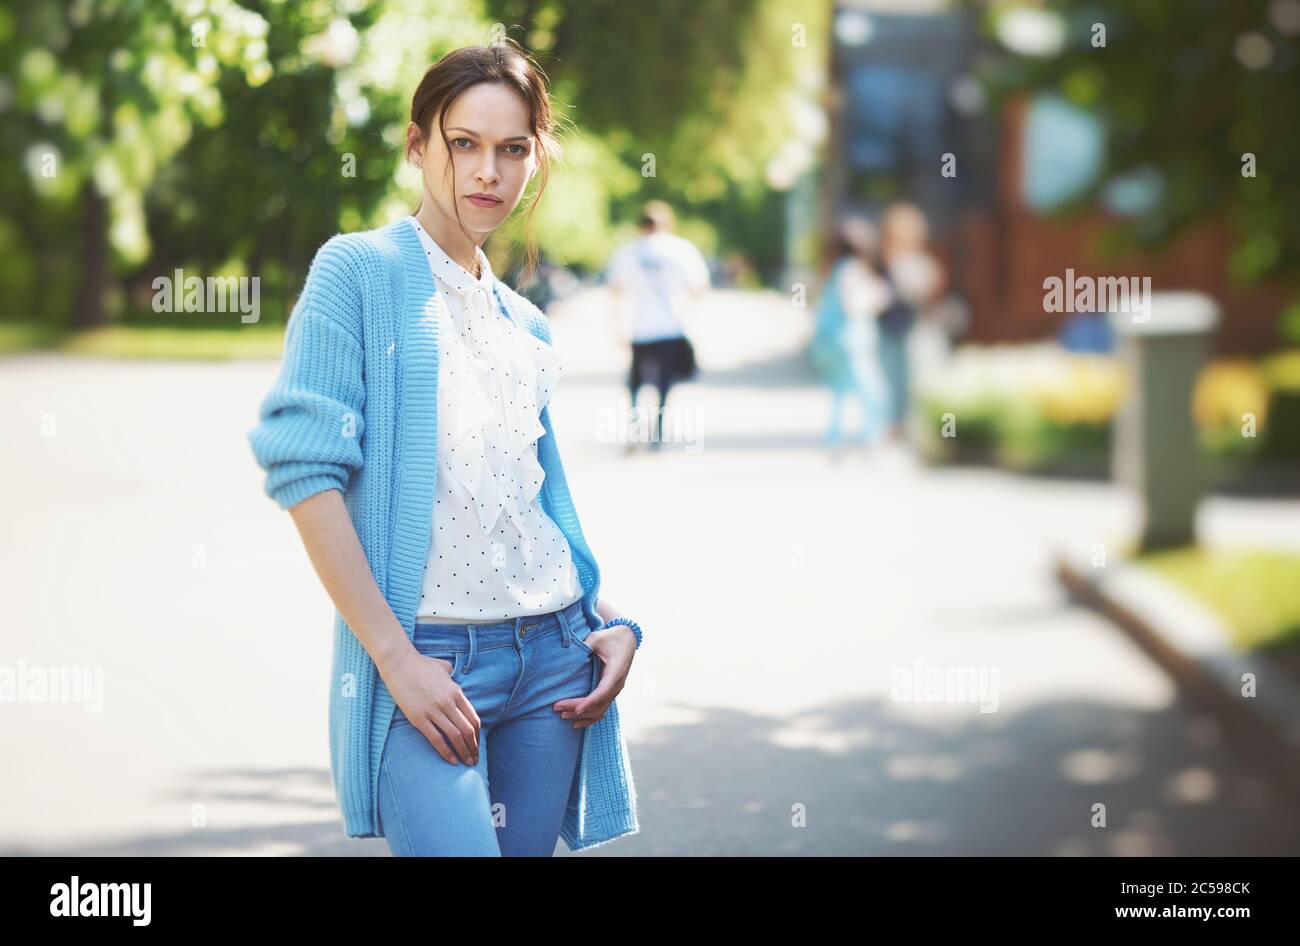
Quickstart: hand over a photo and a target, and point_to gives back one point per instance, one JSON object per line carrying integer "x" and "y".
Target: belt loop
{"x": 473, "y": 646}
{"x": 566, "y": 625}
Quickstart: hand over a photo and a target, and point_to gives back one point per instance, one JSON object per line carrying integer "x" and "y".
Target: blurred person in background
{"x": 657, "y": 276}
{"x": 550, "y": 283}
{"x": 915, "y": 281}
{"x": 844, "y": 345}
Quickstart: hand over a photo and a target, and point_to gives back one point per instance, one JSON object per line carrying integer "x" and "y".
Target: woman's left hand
{"x": 615, "y": 646}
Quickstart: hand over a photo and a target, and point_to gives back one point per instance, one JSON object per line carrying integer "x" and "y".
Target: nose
{"x": 487, "y": 171}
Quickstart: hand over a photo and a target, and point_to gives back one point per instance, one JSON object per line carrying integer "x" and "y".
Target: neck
{"x": 448, "y": 235}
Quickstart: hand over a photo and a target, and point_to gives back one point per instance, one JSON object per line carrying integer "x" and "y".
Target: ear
{"x": 413, "y": 143}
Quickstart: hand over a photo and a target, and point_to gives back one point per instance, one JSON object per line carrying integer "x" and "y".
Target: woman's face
{"x": 492, "y": 153}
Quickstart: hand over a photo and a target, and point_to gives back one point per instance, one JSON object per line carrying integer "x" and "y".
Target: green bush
{"x": 1029, "y": 407}
{"x": 1281, "y": 436}
{"x": 1038, "y": 407}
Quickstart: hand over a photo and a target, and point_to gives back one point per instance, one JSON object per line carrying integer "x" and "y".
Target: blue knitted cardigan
{"x": 355, "y": 409}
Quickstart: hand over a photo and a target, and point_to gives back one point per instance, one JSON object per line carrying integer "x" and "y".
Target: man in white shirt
{"x": 656, "y": 277}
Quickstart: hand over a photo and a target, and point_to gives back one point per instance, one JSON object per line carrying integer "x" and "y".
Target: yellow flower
{"x": 1226, "y": 391}
{"x": 1086, "y": 389}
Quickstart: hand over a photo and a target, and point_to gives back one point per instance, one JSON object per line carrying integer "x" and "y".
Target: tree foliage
{"x": 1194, "y": 95}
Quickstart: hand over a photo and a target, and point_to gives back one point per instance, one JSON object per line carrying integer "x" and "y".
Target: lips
{"x": 483, "y": 200}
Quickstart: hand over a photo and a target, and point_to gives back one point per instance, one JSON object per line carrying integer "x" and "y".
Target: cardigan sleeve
{"x": 308, "y": 438}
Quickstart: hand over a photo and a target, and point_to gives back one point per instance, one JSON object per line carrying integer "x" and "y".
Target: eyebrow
{"x": 475, "y": 134}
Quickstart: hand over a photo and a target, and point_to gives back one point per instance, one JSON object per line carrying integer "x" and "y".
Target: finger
{"x": 468, "y": 731}
{"x": 591, "y": 711}
{"x": 577, "y": 709}
{"x": 591, "y": 716}
{"x": 436, "y": 740}
{"x": 452, "y": 733}
{"x": 471, "y": 714}
{"x": 605, "y": 691}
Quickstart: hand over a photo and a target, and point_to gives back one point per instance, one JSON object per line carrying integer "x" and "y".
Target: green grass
{"x": 164, "y": 342}
{"x": 1255, "y": 591}
{"x": 24, "y": 336}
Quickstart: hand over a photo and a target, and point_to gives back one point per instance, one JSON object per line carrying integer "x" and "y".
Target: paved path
{"x": 782, "y": 595}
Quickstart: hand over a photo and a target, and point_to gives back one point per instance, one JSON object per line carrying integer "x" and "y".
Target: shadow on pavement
{"x": 871, "y": 783}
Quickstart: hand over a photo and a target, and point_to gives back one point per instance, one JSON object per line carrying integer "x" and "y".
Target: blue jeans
{"x": 893, "y": 361}
{"x": 513, "y": 802}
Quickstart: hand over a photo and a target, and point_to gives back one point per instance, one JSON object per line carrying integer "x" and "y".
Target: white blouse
{"x": 495, "y": 553}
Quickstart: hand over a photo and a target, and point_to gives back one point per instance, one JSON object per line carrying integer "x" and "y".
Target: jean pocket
{"x": 454, "y": 659}
{"x": 579, "y": 640}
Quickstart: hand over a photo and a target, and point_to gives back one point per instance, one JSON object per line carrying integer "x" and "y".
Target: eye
{"x": 522, "y": 152}
{"x": 456, "y": 141}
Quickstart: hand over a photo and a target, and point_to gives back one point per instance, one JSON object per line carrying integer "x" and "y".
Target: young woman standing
{"x": 844, "y": 343}
{"x": 475, "y": 668}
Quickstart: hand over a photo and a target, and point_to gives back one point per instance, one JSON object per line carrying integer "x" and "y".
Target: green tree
{"x": 1202, "y": 97}
{"x": 702, "y": 94}
{"x": 104, "y": 94}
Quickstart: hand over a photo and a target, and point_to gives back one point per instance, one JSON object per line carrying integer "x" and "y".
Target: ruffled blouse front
{"x": 494, "y": 379}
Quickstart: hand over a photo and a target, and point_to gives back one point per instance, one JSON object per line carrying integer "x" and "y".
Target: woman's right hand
{"x": 434, "y": 704}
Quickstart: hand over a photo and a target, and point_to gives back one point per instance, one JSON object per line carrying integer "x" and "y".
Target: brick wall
{"x": 999, "y": 259}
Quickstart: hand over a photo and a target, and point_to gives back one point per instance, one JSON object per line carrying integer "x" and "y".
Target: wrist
{"x": 631, "y": 625}
{"x": 392, "y": 654}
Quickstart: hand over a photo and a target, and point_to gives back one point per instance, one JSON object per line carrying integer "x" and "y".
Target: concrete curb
{"x": 1192, "y": 645}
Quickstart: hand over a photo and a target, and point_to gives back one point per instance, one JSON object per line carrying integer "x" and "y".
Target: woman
{"x": 844, "y": 339}
{"x": 915, "y": 281}
{"x": 409, "y": 436}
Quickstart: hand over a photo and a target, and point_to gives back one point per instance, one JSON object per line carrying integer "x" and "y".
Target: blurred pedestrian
{"x": 915, "y": 281}
{"x": 657, "y": 275}
{"x": 845, "y": 335}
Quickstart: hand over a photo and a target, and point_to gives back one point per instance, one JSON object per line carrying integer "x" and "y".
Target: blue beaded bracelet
{"x": 636, "y": 628}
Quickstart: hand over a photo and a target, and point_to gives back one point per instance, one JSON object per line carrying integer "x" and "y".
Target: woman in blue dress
{"x": 845, "y": 336}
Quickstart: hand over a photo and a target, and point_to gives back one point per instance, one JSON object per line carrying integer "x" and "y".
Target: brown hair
{"x": 503, "y": 61}
{"x": 656, "y": 214}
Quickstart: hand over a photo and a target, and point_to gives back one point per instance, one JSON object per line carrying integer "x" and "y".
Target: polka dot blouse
{"x": 495, "y": 553}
